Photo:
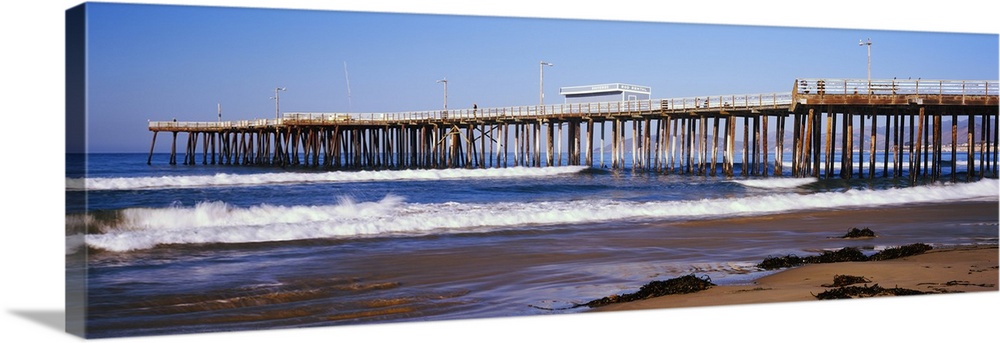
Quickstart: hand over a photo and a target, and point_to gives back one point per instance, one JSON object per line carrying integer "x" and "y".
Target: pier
{"x": 845, "y": 128}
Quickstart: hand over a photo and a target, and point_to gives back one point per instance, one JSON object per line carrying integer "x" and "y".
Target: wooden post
{"x": 919, "y": 142}
{"x": 188, "y": 156}
{"x": 938, "y": 145}
{"x": 577, "y": 142}
{"x": 847, "y": 169}
{"x": 779, "y": 149}
{"x": 755, "y": 147}
{"x": 885, "y": 149}
{"x": 537, "y": 128}
{"x": 896, "y": 146}
{"x": 173, "y": 149}
{"x": 657, "y": 151}
{"x": 715, "y": 143}
{"x": 984, "y": 141}
{"x": 996, "y": 141}
{"x": 673, "y": 142}
{"x": 686, "y": 128}
{"x": 828, "y": 158}
{"x": 971, "y": 166}
{"x": 614, "y": 143}
{"x": 731, "y": 144}
{"x": 548, "y": 145}
{"x": 871, "y": 152}
{"x": 806, "y": 144}
{"x": 796, "y": 143}
{"x": 471, "y": 149}
{"x": 204, "y": 148}
{"x": 701, "y": 138}
{"x": 590, "y": 142}
{"x": 602, "y": 144}
{"x": 744, "y": 171}
{"x": 636, "y": 142}
{"x": 763, "y": 149}
{"x": 646, "y": 145}
{"x": 149, "y": 160}
{"x": 861, "y": 147}
{"x": 927, "y": 145}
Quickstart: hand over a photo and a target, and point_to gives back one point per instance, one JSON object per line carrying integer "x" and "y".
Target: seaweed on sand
{"x": 859, "y": 233}
{"x": 843, "y": 255}
{"x": 863, "y": 292}
{"x": 680, "y": 285}
{"x": 902, "y": 251}
{"x": 845, "y": 280}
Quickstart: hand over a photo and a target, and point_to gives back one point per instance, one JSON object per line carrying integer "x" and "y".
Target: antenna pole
{"x": 348, "y": 77}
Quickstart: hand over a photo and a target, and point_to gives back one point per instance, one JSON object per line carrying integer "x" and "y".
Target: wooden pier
{"x": 834, "y": 133}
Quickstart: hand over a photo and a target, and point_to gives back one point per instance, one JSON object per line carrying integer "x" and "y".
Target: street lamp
{"x": 275, "y": 97}
{"x": 541, "y": 81}
{"x": 445, "y": 82}
{"x": 869, "y": 44}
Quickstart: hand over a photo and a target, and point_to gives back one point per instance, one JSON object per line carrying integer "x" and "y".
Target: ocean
{"x": 170, "y": 249}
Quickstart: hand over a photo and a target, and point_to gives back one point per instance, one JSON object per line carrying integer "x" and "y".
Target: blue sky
{"x": 150, "y": 62}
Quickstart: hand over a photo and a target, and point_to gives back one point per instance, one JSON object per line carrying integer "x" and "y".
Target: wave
{"x": 777, "y": 182}
{"x": 231, "y": 180}
{"x": 218, "y": 222}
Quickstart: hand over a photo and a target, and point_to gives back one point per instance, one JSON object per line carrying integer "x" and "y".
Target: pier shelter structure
{"x": 609, "y": 92}
{"x": 845, "y": 128}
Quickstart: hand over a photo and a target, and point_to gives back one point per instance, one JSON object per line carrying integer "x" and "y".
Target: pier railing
{"x": 713, "y": 103}
{"x": 607, "y": 109}
{"x": 896, "y": 87}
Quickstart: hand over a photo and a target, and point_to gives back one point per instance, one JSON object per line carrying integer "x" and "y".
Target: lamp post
{"x": 445, "y": 82}
{"x": 869, "y": 44}
{"x": 541, "y": 82}
{"x": 276, "y": 102}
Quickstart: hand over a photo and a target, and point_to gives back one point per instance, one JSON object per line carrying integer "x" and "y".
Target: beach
{"x": 945, "y": 269}
{"x": 948, "y": 270}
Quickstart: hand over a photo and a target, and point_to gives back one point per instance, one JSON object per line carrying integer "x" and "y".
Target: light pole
{"x": 445, "y": 82}
{"x": 541, "y": 82}
{"x": 869, "y": 44}
{"x": 276, "y": 102}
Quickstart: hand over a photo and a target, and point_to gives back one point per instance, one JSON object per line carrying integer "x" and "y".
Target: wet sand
{"x": 954, "y": 269}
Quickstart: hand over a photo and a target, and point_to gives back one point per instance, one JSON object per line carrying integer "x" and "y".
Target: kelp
{"x": 680, "y": 285}
{"x": 843, "y": 255}
{"x": 846, "y": 280}
{"x": 899, "y": 252}
{"x": 848, "y": 254}
{"x": 859, "y": 233}
{"x": 866, "y": 291}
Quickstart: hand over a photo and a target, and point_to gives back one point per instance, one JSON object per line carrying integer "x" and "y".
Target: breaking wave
{"x": 219, "y": 222}
{"x": 777, "y": 182}
{"x": 235, "y": 180}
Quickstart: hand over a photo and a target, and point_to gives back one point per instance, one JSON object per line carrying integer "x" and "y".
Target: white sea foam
{"x": 777, "y": 182}
{"x": 232, "y": 180}
{"x": 216, "y": 222}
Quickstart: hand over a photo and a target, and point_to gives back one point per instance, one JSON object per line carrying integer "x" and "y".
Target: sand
{"x": 950, "y": 270}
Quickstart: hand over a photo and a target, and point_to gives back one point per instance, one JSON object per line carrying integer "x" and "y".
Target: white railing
{"x": 896, "y": 87}
{"x": 687, "y": 104}
{"x": 499, "y": 113}
{"x": 728, "y": 102}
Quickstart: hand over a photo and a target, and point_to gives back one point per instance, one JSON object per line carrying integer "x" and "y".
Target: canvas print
{"x": 234, "y": 169}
